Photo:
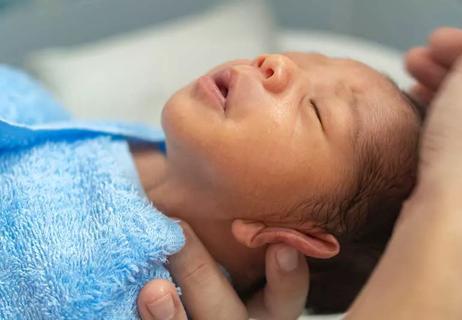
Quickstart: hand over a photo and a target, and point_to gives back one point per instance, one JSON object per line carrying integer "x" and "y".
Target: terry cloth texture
{"x": 78, "y": 238}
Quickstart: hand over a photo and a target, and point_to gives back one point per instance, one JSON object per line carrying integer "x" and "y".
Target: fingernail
{"x": 287, "y": 259}
{"x": 163, "y": 308}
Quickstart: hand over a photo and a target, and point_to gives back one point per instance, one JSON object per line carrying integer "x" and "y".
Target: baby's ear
{"x": 316, "y": 244}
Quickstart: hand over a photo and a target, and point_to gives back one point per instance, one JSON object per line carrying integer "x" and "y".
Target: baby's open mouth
{"x": 223, "y": 81}
{"x": 223, "y": 88}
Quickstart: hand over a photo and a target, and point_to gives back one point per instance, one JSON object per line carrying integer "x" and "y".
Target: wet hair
{"x": 363, "y": 221}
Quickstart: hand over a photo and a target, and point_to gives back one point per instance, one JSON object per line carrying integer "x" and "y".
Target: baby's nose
{"x": 276, "y": 70}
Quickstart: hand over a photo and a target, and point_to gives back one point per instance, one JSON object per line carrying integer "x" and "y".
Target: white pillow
{"x": 130, "y": 77}
{"x": 381, "y": 57}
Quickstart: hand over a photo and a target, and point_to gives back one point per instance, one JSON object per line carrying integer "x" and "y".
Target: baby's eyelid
{"x": 314, "y": 105}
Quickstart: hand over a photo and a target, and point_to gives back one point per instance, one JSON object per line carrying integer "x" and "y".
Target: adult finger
{"x": 422, "y": 94}
{"x": 159, "y": 300}
{"x": 207, "y": 294}
{"x": 286, "y": 290}
{"x": 445, "y": 45}
{"x": 420, "y": 64}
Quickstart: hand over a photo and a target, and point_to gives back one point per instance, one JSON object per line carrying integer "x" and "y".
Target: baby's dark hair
{"x": 363, "y": 221}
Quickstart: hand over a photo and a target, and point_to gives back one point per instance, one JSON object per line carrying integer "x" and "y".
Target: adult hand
{"x": 441, "y": 147}
{"x": 207, "y": 294}
{"x": 430, "y": 64}
{"x": 438, "y": 66}
{"x": 410, "y": 281}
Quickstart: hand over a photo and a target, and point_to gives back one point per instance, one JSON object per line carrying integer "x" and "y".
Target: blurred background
{"x": 31, "y": 24}
{"x": 122, "y": 59}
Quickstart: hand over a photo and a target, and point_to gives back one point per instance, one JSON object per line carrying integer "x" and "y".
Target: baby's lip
{"x": 207, "y": 86}
{"x": 224, "y": 81}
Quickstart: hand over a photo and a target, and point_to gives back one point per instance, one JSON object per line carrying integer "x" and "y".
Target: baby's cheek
{"x": 248, "y": 178}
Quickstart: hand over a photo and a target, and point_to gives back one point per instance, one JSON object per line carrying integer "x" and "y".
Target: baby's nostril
{"x": 260, "y": 61}
{"x": 268, "y": 72}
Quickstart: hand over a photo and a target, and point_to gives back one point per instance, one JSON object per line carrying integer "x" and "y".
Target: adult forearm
{"x": 420, "y": 275}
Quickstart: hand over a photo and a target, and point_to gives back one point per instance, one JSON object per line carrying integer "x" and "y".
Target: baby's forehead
{"x": 354, "y": 69}
{"x": 373, "y": 95}
{"x": 364, "y": 82}
{"x": 302, "y": 58}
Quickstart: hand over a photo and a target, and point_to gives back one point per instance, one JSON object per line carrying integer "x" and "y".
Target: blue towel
{"x": 78, "y": 238}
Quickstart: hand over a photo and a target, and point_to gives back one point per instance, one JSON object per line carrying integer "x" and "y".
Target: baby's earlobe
{"x": 316, "y": 244}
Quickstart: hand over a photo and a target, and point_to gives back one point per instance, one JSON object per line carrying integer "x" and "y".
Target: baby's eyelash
{"x": 316, "y": 110}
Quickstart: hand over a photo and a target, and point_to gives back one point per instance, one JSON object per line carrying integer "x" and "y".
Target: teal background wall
{"x": 26, "y": 25}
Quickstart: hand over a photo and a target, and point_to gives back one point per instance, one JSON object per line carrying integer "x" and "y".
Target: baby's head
{"x": 297, "y": 148}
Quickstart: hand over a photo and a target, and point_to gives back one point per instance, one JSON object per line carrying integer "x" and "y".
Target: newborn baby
{"x": 314, "y": 152}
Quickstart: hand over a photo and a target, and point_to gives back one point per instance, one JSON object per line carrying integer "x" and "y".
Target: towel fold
{"x": 78, "y": 237}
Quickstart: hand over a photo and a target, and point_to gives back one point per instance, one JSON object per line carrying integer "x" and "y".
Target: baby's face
{"x": 264, "y": 137}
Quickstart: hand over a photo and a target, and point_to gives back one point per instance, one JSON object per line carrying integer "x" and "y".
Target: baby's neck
{"x": 245, "y": 265}
{"x": 150, "y": 164}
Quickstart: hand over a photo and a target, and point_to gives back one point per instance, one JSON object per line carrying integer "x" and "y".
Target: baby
{"x": 314, "y": 152}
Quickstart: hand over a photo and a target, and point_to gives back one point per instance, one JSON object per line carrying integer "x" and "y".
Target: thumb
{"x": 159, "y": 300}
{"x": 286, "y": 290}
